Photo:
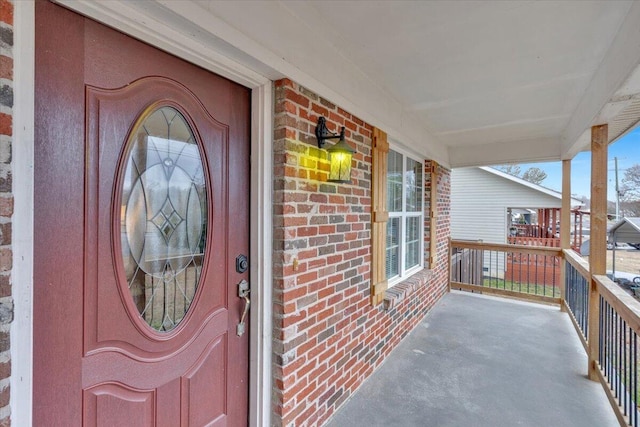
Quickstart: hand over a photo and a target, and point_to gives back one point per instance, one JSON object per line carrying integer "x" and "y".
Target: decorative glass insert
{"x": 163, "y": 217}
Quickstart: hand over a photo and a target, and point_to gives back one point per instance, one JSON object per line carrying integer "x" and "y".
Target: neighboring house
{"x": 484, "y": 201}
{"x": 484, "y": 205}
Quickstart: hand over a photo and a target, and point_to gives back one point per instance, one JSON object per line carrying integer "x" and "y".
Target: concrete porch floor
{"x": 483, "y": 361}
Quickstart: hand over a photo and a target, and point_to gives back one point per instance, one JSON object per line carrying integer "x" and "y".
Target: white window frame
{"x": 403, "y": 272}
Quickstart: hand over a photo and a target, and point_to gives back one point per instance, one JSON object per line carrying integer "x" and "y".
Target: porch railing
{"x": 552, "y": 242}
{"x": 576, "y": 298}
{"x": 531, "y": 230}
{"x": 509, "y": 270}
{"x": 618, "y": 325}
{"x": 533, "y": 273}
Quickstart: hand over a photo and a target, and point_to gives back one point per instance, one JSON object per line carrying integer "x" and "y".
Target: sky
{"x": 626, "y": 149}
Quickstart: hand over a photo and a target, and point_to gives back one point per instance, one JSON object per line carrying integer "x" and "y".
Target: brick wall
{"x": 327, "y": 337}
{"x": 443, "y": 225}
{"x": 6, "y": 202}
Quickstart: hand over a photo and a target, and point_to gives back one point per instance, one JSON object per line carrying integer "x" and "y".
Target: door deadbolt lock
{"x": 242, "y": 263}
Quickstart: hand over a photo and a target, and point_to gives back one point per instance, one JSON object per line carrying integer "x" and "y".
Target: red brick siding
{"x": 327, "y": 337}
{"x": 443, "y": 233}
{"x": 6, "y": 203}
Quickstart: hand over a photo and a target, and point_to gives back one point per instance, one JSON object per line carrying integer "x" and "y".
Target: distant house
{"x": 495, "y": 207}
{"x": 488, "y": 205}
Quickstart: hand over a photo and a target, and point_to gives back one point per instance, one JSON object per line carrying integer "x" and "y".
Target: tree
{"x": 510, "y": 169}
{"x": 630, "y": 209}
{"x": 586, "y": 202}
{"x": 630, "y": 188}
{"x": 535, "y": 175}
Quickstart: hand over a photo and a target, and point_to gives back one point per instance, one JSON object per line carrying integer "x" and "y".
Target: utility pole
{"x": 615, "y": 159}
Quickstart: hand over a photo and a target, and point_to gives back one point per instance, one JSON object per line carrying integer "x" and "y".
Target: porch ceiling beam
{"x": 618, "y": 65}
{"x": 504, "y": 152}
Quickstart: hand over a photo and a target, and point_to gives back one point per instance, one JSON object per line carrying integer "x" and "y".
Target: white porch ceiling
{"x": 464, "y": 82}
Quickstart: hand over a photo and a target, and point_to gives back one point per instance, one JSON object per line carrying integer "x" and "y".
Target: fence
{"x": 508, "y": 270}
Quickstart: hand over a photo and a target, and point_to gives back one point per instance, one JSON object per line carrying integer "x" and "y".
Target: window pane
{"x": 412, "y": 240}
{"x": 413, "y": 184}
{"x": 394, "y": 182}
{"x": 393, "y": 247}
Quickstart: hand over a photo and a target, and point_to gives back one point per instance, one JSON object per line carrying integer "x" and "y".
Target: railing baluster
{"x": 585, "y": 302}
{"x": 601, "y": 322}
{"x": 619, "y": 358}
{"x": 520, "y": 273}
{"x": 635, "y": 379}
{"x": 628, "y": 376}
{"x": 624, "y": 367}
{"x": 609, "y": 353}
{"x": 632, "y": 377}
{"x": 614, "y": 369}
{"x": 490, "y": 266}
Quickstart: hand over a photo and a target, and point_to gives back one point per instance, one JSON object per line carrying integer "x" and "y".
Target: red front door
{"x": 141, "y": 208}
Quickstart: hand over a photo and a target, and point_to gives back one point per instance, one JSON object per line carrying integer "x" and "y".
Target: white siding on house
{"x": 479, "y": 202}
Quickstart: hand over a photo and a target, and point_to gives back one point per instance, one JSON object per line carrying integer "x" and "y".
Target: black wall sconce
{"x": 339, "y": 155}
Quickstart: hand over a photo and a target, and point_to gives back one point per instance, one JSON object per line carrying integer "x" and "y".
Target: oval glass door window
{"x": 163, "y": 217}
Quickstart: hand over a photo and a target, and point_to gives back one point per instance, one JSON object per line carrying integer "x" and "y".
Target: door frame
{"x": 138, "y": 25}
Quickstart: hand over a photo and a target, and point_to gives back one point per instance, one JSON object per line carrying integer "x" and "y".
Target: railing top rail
{"x": 577, "y": 262}
{"x": 627, "y": 306}
{"x": 533, "y": 250}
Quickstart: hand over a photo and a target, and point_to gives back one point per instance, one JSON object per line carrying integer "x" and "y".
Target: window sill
{"x": 396, "y": 294}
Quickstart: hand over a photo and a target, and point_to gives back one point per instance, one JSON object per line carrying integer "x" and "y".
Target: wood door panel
{"x": 111, "y": 318}
{"x": 104, "y": 50}
{"x": 116, "y": 405}
{"x": 205, "y": 375}
{"x": 57, "y": 211}
{"x": 124, "y": 367}
{"x": 167, "y": 405}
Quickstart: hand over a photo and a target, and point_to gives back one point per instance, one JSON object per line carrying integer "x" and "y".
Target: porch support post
{"x": 547, "y": 222}
{"x": 565, "y": 226}
{"x": 540, "y": 225}
{"x": 598, "y": 238}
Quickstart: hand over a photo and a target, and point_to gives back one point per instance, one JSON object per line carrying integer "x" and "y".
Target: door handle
{"x": 243, "y": 292}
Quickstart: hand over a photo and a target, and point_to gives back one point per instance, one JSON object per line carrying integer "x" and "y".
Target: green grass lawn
{"x": 524, "y": 288}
